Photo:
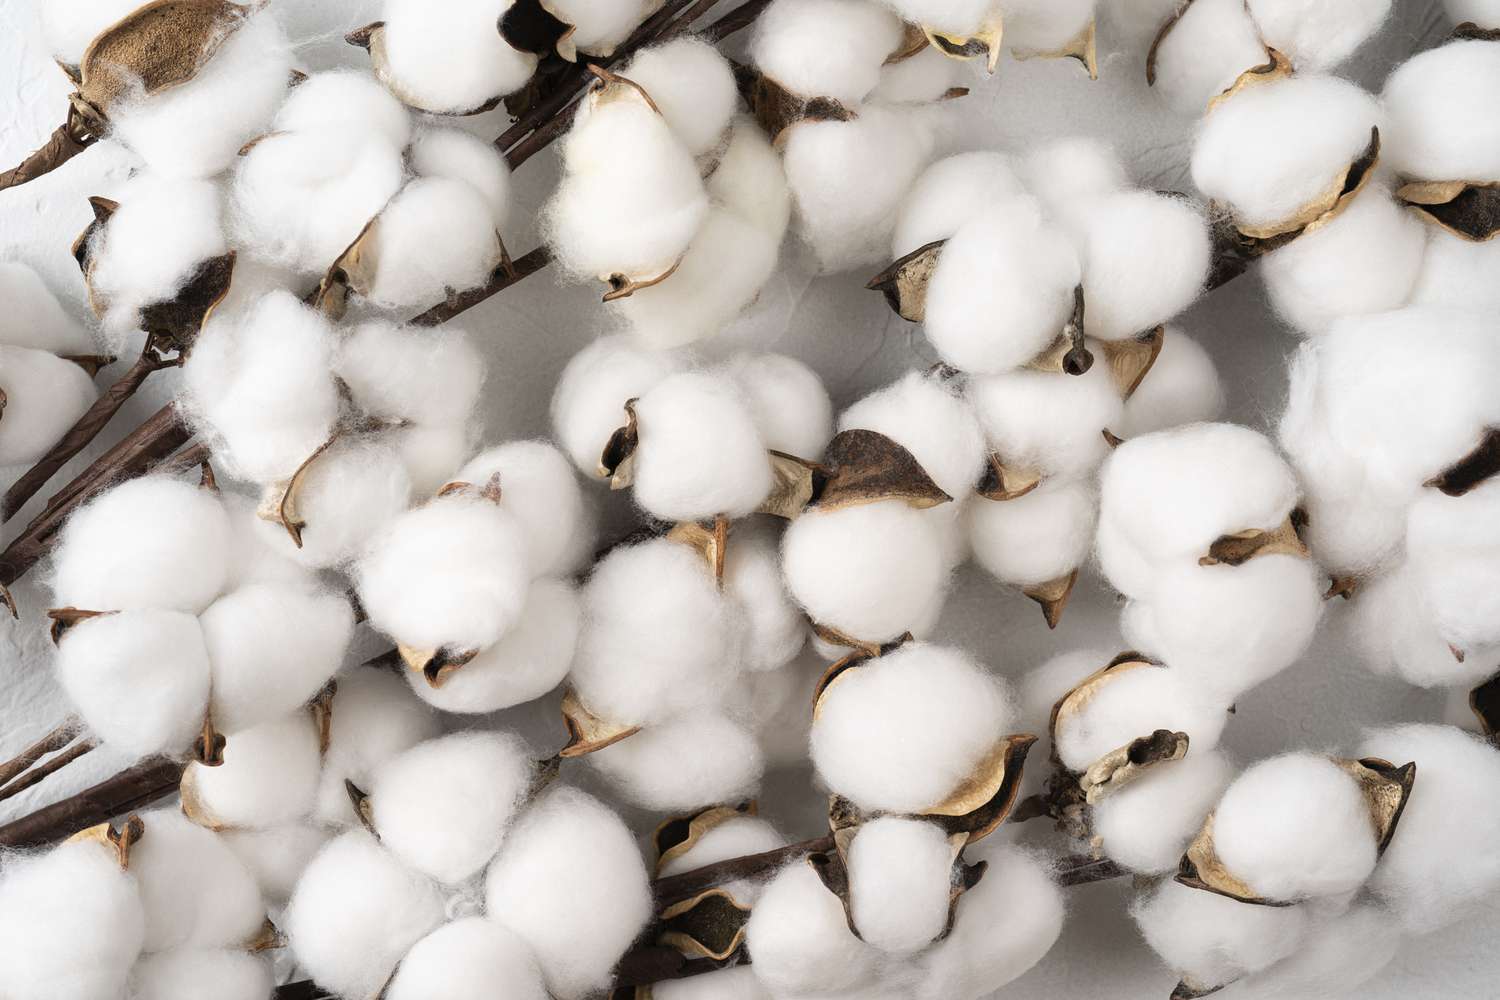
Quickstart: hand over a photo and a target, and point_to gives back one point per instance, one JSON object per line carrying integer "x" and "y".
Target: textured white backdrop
{"x": 850, "y": 337}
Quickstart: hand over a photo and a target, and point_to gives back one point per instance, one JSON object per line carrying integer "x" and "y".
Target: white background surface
{"x": 853, "y": 340}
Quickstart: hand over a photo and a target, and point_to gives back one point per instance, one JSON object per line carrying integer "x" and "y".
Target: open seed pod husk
{"x": 531, "y": 26}
{"x": 1074, "y": 701}
{"x": 1468, "y": 210}
{"x": 192, "y": 804}
{"x": 353, "y": 273}
{"x": 1189, "y": 988}
{"x": 1001, "y": 482}
{"x": 710, "y": 925}
{"x": 1276, "y": 67}
{"x": 1131, "y": 360}
{"x": 372, "y": 39}
{"x": 363, "y": 808}
{"x": 1484, "y": 702}
{"x": 83, "y": 249}
{"x": 208, "y": 748}
{"x": 65, "y": 618}
{"x": 777, "y": 110}
{"x": 913, "y": 43}
{"x": 709, "y": 538}
{"x": 1161, "y": 36}
{"x": 1069, "y": 353}
{"x": 1326, "y": 206}
{"x": 1053, "y": 596}
{"x": 268, "y": 938}
{"x": 1201, "y": 868}
{"x": 904, "y": 282}
{"x": 436, "y": 665}
{"x": 279, "y": 503}
{"x": 1473, "y": 469}
{"x": 986, "y": 41}
{"x": 617, "y": 461}
{"x": 863, "y": 466}
{"x": 978, "y": 806}
{"x": 793, "y": 484}
{"x": 676, "y": 836}
{"x": 587, "y": 733}
{"x": 1082, "y": 47}
{"x": 120, "y": 838}
{"x": 1120, "y": 767}
{"x": 840, "y": 670}
{"x": 1240, "y": 547}
{"x": 321, "y": 708}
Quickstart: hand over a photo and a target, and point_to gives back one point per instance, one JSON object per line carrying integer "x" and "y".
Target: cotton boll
{"x": 921, "y": 79}
{"x": 727, "y": 984}
{"x": 1435, "y": 102}
{"x": 434, "y": 238}
{"x": 539, "y": 489}
{"x": 948, "y": 710}
{"x": 44, "y": 396}
{"x": 259, "y": 554}
{"x": 1439, "y": 862}
{"x": 375, "y": 717}
{"x": 355, "y": 913}
{"x": 276, "y": 856}
{"x": 466, "y": 960}
{"x": 345, "y": 101}
{"x": 452, "y": 59}
{"x": 1395, "y": 630}
{"x": 1338, "y": 956}
{"x": 791, "y": 46}
{"x": 800, "y": 938}
{"x": 269, "y": 776}
{"x": 33, "y": 316}
{"x": 1002, "y": 290}
{"x": 405, "y": 373}
{"x": 432, "y": 454}
{"x": 70, "y": 25}
{"x": 734, "y": 838}
{"x": 1182, "y": 387}
{"x": 696, "y": 760}
{"x": 900, "y": 877}
{"x": 183, "y": 973}
{"x": 658, "y": 635}
{"x": 1481, "y": 12}
{"x": 452, "y": 574}
{"x": 600, "y": 27}
{"x": 463, "y": 156}
{"x": 1134, "y": 704}
{"x": 1450, "y": 542}
{"x": 72, "y": 923}
{"x": 1213, "y": 939}
{"x": 1045, "y": 25}
{"x": 1049, "y": 421}
{"x": 947, "y": 193}
{"x": 1457, "y": 272}
{"x": 871, "y": 572}
{"x": 571, "y": 883}
{"x": 1317, "y": 35}
{"x": 772, "y": 627}
{"x": 1041, "y": 536}
{"x": 974, "y": 960}
{"x": 589, "y": 401}
{"x": 935, "y": 424}
{"x": 750, "y": 182}
{"x": 1069, "y": 172}
{"x": 1045, "y": 685}
{"x": 194, "y": 891}
{"x": 790, "y": 405}
{"x": 1211, "y": 44}
{"x": 692, "y": 85}
{"x": 1147, "y": 825}
{"x": 951, "y": 17}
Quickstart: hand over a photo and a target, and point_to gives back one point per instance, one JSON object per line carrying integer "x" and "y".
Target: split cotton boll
{"x": 772, "y": 629}
{"x": 1147, "y": 825}
{"x": 106, "y": 562}
{"x": 375, "y": 717}
{"x": 33, "y": 316}
{"x": 1213, "y": 939}
{"x": 44, "y": 396}
{"x": 945, "y": 196}
{"x": 1317, "y": 35}
{"x": 443, "y": 806}
{"x": 257, "y": 557}
{"x": 398, "y": 373}
{"x": 658, "y": 635}
{"x": 685, "y": 763}
{"x": 1134, "y": 704}
{"x": 183, "y": 973}
{"x": 269, "y": 776}
{"x": 871, "y": 572}
{"x": 540, "y": 490}
{"x": 434, "y": 238}
{"x": 451, "y": 59}
{"x": 1296, "y": 826}
{"x": 792, "y": 45}
{"x": 463, "y": 156}
{"x": 68, "y": 26}
{"x": 1041, "y": 536}
{"x": 1338, "y": 956}
{"x": 72, "y": 923}
{"x": 588, "y": 404}
{"x": 193, "y": 889}
{"x": 451, "y": 575}
{"x": 1440, "y": 861}
{"x": 276, "y": 856}
{"x": 345, "y": 101}
{"x": 1002, "y": 290}
{"x": 734, "y": 838}
{"x": 949, "y": 713}
{"x": 1273, "y": 149}
{"x": 1211, "y": 44}
{"x": 932, "y": 422}
{"x": 700, "y": 453}
{"x": 1182, "y": 387}
{"x": 1458, "y": 272}
{"x": 356, "y": 912}
{"x": 1070, "y": 172}
{"x": 570, "y": 882}
{"x": 900, "y": 878}
{"x": 788, "y": 401}
{"x": 467, "y": 960}
{"x": 1395, "y": 630}
{"x": 693, "y": 87}
{"x": 1435, "y": 105}
{"x": 1050, "y": 421}
{"x": 921, "y": 79}
{"x": 1451, "y": 547}
{"x": 801, "y": 939}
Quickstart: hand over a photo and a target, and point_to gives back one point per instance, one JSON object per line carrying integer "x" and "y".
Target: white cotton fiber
{"x": 375, "y": 717}
{"x": 750, "y": 182}
{"x": 734, "y": 838}
{"x": 434, "y": 238}
{"x": 194, "y": 891}
{"x": 871, "y": 571}
{"x": 1394, "y": 628}
{"x": 949, "y": 192}
{"x": 44, "y": 396}
{"x": 259, "y": 554}
{"x": 1481, "y": 12}
{"x": 1212, "y": 43}
{"x": 1002, "y": 290}
{"x": 700, "y": 452}
{"x": 571, "y": 883}
{"x": 1050, "y": 421}
{"x": 540, "y": 490}
{"x": 801, "y": 939}
{"x": 1439, "y": 863}
{"x": 974, "y": 959}
{"x": 935, "y": 424}
{"x": 396, "y": 373}
{"x": 1214, "y": 939}
{"x": 1337, "y": 956}
{"x": 600, "y": 27}
{"x": 728, "y": 984}
{"x": 70, "y": 25}
{"x": 699, "y": 759}
{"x": 1296, "y": 826}
{"x": 72, "y": 923}
{"x": 106, "y": 562}
{"x": 1145, "y": 258}
{"x": 1317, "y": 35}
{"x": 657, "y": 637}
{"x": 34, "y": 317}
{"x": 463, "y": 156}
{"x": 1068, "y": 173}
{"x": 588, "y": 404}
{"x": 1044, "y": 25}
{"x": 468, "y": 959}
{"x": 771, "y": 627}
{"x": 183, "y": 974}
{"x": 947, "y": 711}
{"x": 432, "y": 454}
{"x": 356, "y": 912}
{"x": 451, "y": 574}
{"x": 951, "y": 17}
{"x": 443, "y": 806}
{"x": 1041, "y": 536}
{"x": 900, "y": 877}
{"x": 269, "y": 776}
{"x": 1457, "y": 272}
{"x": 451, "y": 59}
{"x": 787, "y": 399}
{"x": 1147, "y": 825}
{"x": 921, "y": 79}
{"x": 139, "y": 678}
{"x": 345, "y": 101}
{"x": 1437, "y": 126}
{"x": 691, "y": 85}
{"x": 1134, "y": 704}
{"x": 825, "y": 48}
{"x": 529, "y": 660}
{"x": 1450, "y": 544}
{"x": 277, "y": 855}
{"x": 1274, "y": 148}
{"x": 1045, "y": 685}
{"x": 1182, "y": 387}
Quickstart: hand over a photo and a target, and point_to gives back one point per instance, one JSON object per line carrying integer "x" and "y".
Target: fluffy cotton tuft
{"x": 1072, "y": 171}
{"x": 685, "y": 763}
{"x": 600, "y": 27}
{"x": 900, "y": 878}
{"x": 451, "y": 59}
{"x": 920, "y": 413}
{"x": 1317, "y": 35}
{"x": 589, "y": 401}
{"x": 1182, "y": 387}
{"x": 1436, "y": 125}
{"x": 801, "y": 939}
{"x": 692, "y": 85}
{"x": 1212, "y": 43}
{"x": 463, "y": 156}
{"x": 70, "y": 25}
{"x": 375, "y": 717}
{"x": 787, "y": 399}
{"x": 466, "y": 960}
{"x": 1035, "y": 538}
{"x": 1394, "y": 628}
{"x": 1213, "y": 939}
{"x": 1133, "y": 704}
{"x": 406, "y": 373}
{"x": 1147, "y": 825}
{"x": 269, "y": 776}
{"x": 1337, "y": 956}
{"x": 182, "y": 973}
{"x": 791, "y": 46}
{"x": 1450, "y": 543}
{"x": 944, "y": 197}
{"x": 434, "y": 238}
{"x": 771, "y": 628}
{"x": 33, "y": 316}
{"x": 194, "y": 891}
{"x": 1050, "y": 421}
{"x": 738, "y": 837}
{"x": 344, "y": 100}
{"x": 277, "y": 856}
{"x": 44, "y": 396}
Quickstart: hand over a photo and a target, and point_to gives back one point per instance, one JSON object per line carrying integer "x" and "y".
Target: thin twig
{"x": 736, "y": 20}
{"x": 61, "y": 146}
{"x": 676, "y": 888}
{"x": 41, "y": 772}
{"x": 134, "y": 788}
{"x": 58, "y": 738}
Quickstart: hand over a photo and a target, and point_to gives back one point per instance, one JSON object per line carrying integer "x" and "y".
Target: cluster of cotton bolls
{"x": 1311, "y": 870}
{"x": 42, "y": 389}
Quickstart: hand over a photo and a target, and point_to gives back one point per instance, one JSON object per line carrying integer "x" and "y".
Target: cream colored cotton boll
{"x": 356, "y": 912}
{"x": 463, "y": 156}
{"x": 347, "y": 102}
{"x": 1182, "y": 387}
{"x": 451, "y": 59}
{"x": 1212, "y": 43}
{"x": 727, "y": 984}
{"x": 570, "y": 882}
{"x": 1041, "y": 536}
{"x": 1002, "y": 290}
{"x": 468, "y": 959}
{"x": 1338, "y": 956}
{"x": 900, "y": 878}
{"x": 750, "y": 181}
{"x": 269, "y": 776}
{"x": 931, "y": 421}
{"x": 801, "y": 940}
{"x": 72, "y": 923}
{"x": 33, "y": 316}
{"x": 105, "y": 562}
{"x": 1439, "y": 867}
{"x": 1436, "y": 108}
{"x": 183, "y": 973}
{"x": 601, "y": 25}
{"x": 374, "y": 717}
{"x": 1147, "y": 825}
{"x": 44, "y": 396}
{"x": 1050, "y": 421}
{"x": 68, "y": 26}
{"x": 734, "y": 838}
{"x": 1395, "y": 631}
{"x": 921, "y": 79}
{"x": 658, "y": 635}
{"x": 588, "y": 404}
{"x": 871, "y": 571}
{"x": 1485, "y": 13}
{"x": 1317, "y": 35}
{"x": 788, "y": 401}
{"x": 792, "y": 46}
{"x": 1068, "y": 173}
{"x": 398, "y": 373}
{"x": 947, "y": 193}
{"x": 949, "y": 710}
{"x": 276, "y": 856}
{"x": 539, "y": 489}
{"x": 1134, "y": 704}
{"x": 449, "y": 575}
{"x": 434, "y": 238}
{"x": 693, "y": 87}
{"x": 194, "y": 891}
{"x": 974, "y": 960}
{"x": 684, "y": 764}
{"x": 771, "y": 627}
{"x": 1450, "y": 544}
{"x": 1458, "y": 272}
{"x": 1214, "y": 939}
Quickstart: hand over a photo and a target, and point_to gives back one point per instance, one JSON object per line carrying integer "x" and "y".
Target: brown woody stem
{"x": 58, "y": 738}
{"x": 134, "y": 788}
{"x": 40, "y": 773}
{"x": 61, "y": 146}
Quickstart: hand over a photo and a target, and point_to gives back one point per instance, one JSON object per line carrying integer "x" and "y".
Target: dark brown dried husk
{"x": 1469, "y": 31}
{"x": 981, "y": 803}
{"x": 863, "y": 466}
{"x": 904, "y": 282}
{"x": 1069, "y": 353}
{"x": 617, "y": 460}
{"x": 66, "y": 141}
{"x": 1190, "y": 989}
{"x": 777, "y": 109}
{"x": 1053, "y": 596}
{"x": 710, "y": 925}
{"x": 1471, "y": 471}
{"x": 155, "y": 48}
{"x": 528, "y": 26}
{"x": 1484, "y": 702}
{"x": 1001, "y": 483}
{"x": 676, "y": 836}
{"x": 208, "y": 748}
{"x": 65, "y": 618}
{"x": 1240, "y": 547}
{"x": 1469, "y": 210}
{"x": 180, "y": 319}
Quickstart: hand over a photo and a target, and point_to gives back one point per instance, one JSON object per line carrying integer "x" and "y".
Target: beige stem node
{"x": 1069, "y": 353}
{"x": 120, "y": 839}
{"x": 1120, "y": 767}
{"x": 622, "y": 286}
{"x": 904, "y": 283}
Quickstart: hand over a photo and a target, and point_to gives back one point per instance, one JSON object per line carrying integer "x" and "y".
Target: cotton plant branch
{"x": 135, "y": 788}
{"x": 40, "y": 773}
{"x": 59, "y": 737}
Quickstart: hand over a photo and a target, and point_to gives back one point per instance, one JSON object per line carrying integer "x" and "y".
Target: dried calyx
{"x": 1469, "y": 210}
